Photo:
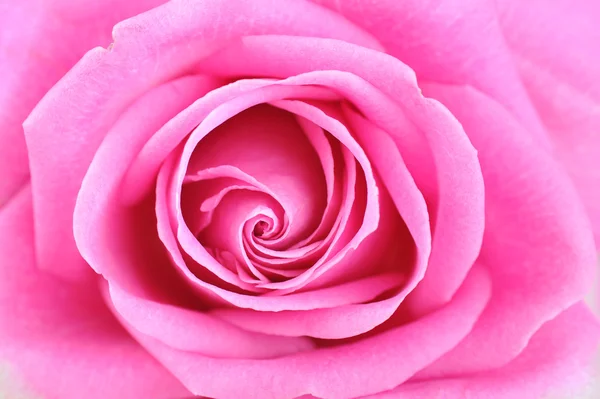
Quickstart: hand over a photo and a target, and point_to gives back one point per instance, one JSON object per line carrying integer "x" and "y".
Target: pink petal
{"x": 39, "y": 42}
{"x": 60, "y": 338}
{"x": 557, "y": 53}
{"x": 66, "y": 128}
{"x": 538, "y": 242}
{"x": 370, "y": 217}
{"x": 213, "y": 114}
{"x": 427, "y": 134}
{"x": 267, "y": 144}
{"x": 318, "y": 298}
{"x": 332, "y": 372}
{"x": 104, "y": 232}
{"x": 453, "y": 41}
{"x": 557, "y": 360}
{"x": 195, "y": 331}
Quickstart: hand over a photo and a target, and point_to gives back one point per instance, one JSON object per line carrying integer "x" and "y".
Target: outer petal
{"x": 450, "y": 41}
{"x": 59, "y": 338}
{"x": 557, "y": 52}
{"x": 67, "y": 127}
{"x": 331, "y": 372}
{"x": 39, "y": 42}
{"x": 557, "y": 359}
{"x": 537, "y": 244}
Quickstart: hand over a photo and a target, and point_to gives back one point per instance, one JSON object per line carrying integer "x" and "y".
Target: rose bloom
{"x": 293, "y": 199}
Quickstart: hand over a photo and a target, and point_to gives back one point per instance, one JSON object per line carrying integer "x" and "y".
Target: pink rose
{"x": 283, "y": 199}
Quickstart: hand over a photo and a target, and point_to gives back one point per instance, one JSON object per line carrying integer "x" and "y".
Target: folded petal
{"x": 66, "y": 128}
{"x": 59, "y": 338}
{"x": 39, "y": 42}
{"x": 105, "y": 229}
{"x": 436, "y": 150}
{"x": 557, "y": 53}
{"x": 451, "y": 41}
{"x": 383, "y": 361}
{"x": 556, "y": 363}
{"x": 195, "y": 331}
{"x": 538, "y": 243}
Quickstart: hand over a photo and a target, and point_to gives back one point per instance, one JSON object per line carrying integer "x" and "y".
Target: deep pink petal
{"x": 66, "y": 128}
{"x": 39, "y": 42}
{"x": 557, "y": 53}
{"x": 60, "y": 338}
{"x": 555, "y": 363}
{"x": 538, "y": 242}
{"x": 383, "y": 361}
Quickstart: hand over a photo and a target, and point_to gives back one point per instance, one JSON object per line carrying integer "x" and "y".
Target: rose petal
{"x": 329, "y": 323}
{"x": 557, "y": 54}
{"x": 59, "y": 337}
{"x": 456, "y": 202}
{"x": 195, "y": 331}
{"x": 538, "y": 242}
{"x": 100, "y": 226}
{"x": 454, "y": 41}
{"x": 267, "y": 144}
{"x": 331, "y": 372}
{"x": 39, "y": 43}
{"x": 66, "y": 128}
{"x": 556, "y": 359}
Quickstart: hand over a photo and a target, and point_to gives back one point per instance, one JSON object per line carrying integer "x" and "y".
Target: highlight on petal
{"x": 556, "y": 53}
{"x": 59, "y": 338}
{"x": 556, "y": 363}
{"x": 454, "y": 41}
{"x": 331, "y": 372}
{"x": 37, "y": 48}
{"x": 538, "y": 244}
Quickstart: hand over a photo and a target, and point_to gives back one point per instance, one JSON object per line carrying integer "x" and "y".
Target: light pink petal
{"x": 383, "y": 361}
{"x": 66, "y": 128}
{"x": 211, "y": 273}
{"x": 556, "y": 363}
{"x": 39, "y": 42}
{"x": 451, "y": 41}
{"x": 107, "y": 234}
{"x": 538, "y": 244}
{"x": 557, "y": 53}
{"x": 431, "y": 141}
{"x": 195, "y": 331}
{"x": 60, "y": 338}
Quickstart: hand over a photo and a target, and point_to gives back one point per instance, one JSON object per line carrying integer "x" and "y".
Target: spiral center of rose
{"x": 280, "y": 193}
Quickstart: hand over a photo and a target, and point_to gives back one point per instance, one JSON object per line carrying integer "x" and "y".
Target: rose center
{"x": 260, "y": 227}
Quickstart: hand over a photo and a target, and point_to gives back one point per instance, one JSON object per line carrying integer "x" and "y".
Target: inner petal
{"x": 269, "y": 145}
